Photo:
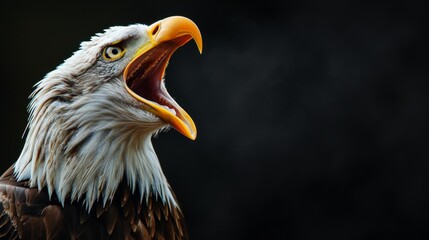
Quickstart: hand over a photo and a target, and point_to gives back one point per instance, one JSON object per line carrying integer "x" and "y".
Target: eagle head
{"x": 92, "y": 118}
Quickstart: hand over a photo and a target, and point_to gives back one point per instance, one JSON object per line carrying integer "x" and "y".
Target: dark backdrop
{"x": 312, "y": 115}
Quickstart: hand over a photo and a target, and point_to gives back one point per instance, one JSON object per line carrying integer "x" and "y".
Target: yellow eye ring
{"x": 112, "y": 53}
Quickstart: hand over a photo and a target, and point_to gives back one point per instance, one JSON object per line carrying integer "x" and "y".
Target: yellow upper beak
{"x": 173, "y": 27}
{"x": 165, "y": 37}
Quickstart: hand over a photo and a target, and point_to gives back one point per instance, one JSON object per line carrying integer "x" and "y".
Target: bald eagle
{"x": 88, "y": 169}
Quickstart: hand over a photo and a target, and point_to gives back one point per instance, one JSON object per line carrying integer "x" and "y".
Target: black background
{"x": 312, "y": 115}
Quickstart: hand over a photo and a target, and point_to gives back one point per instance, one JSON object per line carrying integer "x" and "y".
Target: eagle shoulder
{"x": 27, "y": 213}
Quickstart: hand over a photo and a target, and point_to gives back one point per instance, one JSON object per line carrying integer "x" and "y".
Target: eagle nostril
{"x": 155, "y": 30}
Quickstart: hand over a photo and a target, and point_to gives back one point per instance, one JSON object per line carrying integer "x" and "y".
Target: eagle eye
{"x": 112, "y": 53}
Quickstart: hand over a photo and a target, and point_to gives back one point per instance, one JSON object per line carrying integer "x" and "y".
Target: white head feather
{"x": 86, "y": 133}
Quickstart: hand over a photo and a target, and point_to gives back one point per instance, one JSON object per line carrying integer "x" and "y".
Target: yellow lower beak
{"x": 143, "y": 75}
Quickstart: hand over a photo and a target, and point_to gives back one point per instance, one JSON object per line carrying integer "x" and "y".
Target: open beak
{"x": 144, "y": 75}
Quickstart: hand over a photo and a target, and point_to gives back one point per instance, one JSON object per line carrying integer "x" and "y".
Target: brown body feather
{"x": 27, "y": 213}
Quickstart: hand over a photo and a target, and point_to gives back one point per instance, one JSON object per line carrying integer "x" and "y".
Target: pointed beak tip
{"x": 200, "y": 47}
{"x": 171, "y": 27}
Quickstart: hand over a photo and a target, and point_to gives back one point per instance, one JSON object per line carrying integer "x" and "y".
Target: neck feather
{"x": 83, "y": 148}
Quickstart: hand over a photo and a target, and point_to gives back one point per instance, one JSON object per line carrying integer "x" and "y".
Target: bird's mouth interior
{"x": 145, "y": 74}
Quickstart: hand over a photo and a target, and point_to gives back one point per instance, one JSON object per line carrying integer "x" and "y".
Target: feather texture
{"x": 27, "y": 213}
{"x": 86, "y": 133}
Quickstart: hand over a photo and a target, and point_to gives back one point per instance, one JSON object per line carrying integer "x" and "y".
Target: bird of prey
{"x": 88, "y": 169}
